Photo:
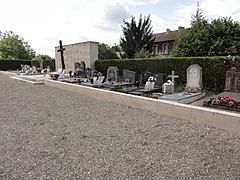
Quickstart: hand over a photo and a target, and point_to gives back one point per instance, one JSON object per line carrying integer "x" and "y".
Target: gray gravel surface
{"x": 48, "y": 133}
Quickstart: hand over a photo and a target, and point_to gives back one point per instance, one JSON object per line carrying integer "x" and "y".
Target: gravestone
{"x": 48, "y": 69}
{"x": 194, "y": 78}
{"x": 129, "y": 76}
{"x": 145, "y": 76}
{"x": 113, "y": 74}
{"x": 158, "y": 81}
{"x": 232, "y": 82}
{"x": 34, "y": 69}
{"x": 193, "y": 87}
{"x": 80, "y": 69}
{"x": 173, "y": 76}
{"x": 41, "y": 63}
{"x": 76, "y": 66}
{"x": 88, "y": 72}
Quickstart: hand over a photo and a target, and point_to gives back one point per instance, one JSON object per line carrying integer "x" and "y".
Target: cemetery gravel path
{"x": 48, "y": 133}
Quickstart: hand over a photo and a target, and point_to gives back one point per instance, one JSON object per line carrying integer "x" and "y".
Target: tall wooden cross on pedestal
{"x": 173, "y": 76}
{"x": 61, "y": 52}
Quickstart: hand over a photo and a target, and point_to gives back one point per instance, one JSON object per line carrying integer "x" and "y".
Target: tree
{"x": 225, "y": 37}
{"x": 43, "y": 57}
{"x": 220, "y": 37}
{"x": 106, "y": 52}
{"x": 137, "y": 36}
{"x": 13, "y": 46}
{"x": 195, "y": 40}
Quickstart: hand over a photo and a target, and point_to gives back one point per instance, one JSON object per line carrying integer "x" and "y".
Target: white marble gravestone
{"x": 194, "y": 78}
{"x": 113, "y": 73}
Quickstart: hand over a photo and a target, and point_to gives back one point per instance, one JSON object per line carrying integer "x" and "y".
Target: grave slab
{"x": 183, "y": 97}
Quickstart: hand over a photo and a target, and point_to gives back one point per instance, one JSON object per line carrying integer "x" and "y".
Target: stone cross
{"x": 61, "y": 51}
{"x": 173, "y": 76}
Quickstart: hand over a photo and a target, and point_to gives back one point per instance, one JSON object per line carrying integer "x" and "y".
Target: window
{"x": 155, "y": 50}
{"x": 165, "y": 49}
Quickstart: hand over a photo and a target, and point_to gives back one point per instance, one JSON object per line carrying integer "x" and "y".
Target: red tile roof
{"x": 166, "y": 36}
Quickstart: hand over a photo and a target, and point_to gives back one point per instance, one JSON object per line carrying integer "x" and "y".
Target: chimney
{"x": 180, "y": 28}
{"x": 168, "y": 30}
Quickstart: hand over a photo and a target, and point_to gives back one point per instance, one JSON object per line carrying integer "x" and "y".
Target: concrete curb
{"x": 225, "y": 120}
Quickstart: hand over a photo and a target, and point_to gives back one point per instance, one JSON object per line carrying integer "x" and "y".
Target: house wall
{"x": 85, "y": 51}
{"x": 160, "y": 46}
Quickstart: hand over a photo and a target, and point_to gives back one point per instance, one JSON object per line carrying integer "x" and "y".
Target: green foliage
{"x": 43, "y": 57}
{"x": 213, "y": 68}
{"x": 46, "y": 63}
{"x": 117, "y": 48}
{"x": 143, "y": 54}
{"x": 225, "y": 37}
{"x": 220, "y": 37}
{"x": 16, "y": 64}
{"x": 13, "y": 46}
{"x": 106, "y": 52}
{"x": 137, "y": 36}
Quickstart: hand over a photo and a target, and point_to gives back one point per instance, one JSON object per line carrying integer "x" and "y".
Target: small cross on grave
{"x": 173, "y": 76}
{"x": 61, "y": 51}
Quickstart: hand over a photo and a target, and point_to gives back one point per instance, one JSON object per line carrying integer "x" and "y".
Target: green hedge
{"x": 46, "y": 63}
{"x": 6, "y": 65}
{"x": 213, "y": 68}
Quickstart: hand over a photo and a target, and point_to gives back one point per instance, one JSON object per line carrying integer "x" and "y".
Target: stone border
{"x": 225, "y": 120}
{"x": 28, "y": 81}
{"x": 7, "y": 73}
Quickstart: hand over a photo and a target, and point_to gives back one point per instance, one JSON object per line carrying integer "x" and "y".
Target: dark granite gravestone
{"x": 232, "y": 82}
{"x": 159, "y": 80}
{"x": 88, "y": 72}
{"x": 113, "y": 74}
{"x": 144, "y": 77}
{"x": 129, "y": 76}
{"x": 80, "y": 69}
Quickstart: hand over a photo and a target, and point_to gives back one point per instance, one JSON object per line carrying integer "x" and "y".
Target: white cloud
{"x": 43, "y": 23}
{"x": 140, "y": 2}
{"x": 211, "y": 9}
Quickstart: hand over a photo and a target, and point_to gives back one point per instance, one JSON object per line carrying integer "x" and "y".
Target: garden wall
{"x": 213, "y": 68}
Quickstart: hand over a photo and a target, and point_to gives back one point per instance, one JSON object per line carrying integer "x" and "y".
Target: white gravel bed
{"x": 48, "y": 133}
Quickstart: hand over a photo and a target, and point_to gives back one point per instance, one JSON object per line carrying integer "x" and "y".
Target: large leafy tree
{"x": 137, "y": 36}
{"x": 13, "y": 46}
{"x": 216, "y": 38}
{"x": 225, "y": 37}
{"x": 106, "y": 52}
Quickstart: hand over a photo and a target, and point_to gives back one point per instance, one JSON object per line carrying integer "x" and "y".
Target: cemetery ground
{"x": 49, "y": 133}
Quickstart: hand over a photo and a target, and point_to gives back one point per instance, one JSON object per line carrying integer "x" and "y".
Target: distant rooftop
{"x": 168, "y": 35}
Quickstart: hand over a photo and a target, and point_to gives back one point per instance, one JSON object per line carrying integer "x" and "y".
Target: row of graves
{"x": 34, "y": 74}
{"x": 28, "y": 70}
{"x": 158, "y": 85}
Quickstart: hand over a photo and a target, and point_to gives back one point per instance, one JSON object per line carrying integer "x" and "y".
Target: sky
{"x": 42, "y": 23}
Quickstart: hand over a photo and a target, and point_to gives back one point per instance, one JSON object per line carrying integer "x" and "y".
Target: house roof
{"x": 166, "y": 36}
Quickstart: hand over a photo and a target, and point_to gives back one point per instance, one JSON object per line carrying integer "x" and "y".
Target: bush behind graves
{"x": 213, "y": 68}
{"x": 46, "y": 63}
{"x": 6, "y": 65}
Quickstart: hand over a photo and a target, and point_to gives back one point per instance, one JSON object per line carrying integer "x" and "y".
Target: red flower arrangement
{"x": 225, "y": 101}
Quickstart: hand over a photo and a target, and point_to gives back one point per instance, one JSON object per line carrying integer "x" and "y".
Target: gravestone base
{"x": 183, "y": 97}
